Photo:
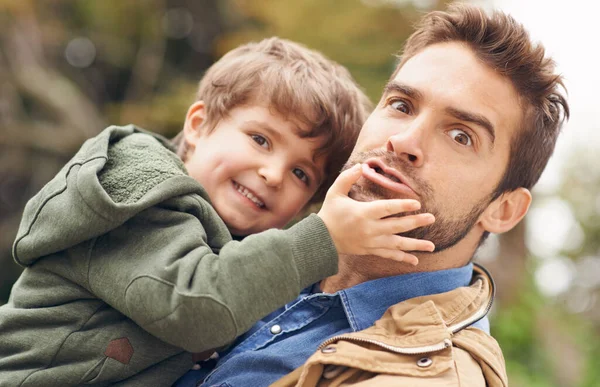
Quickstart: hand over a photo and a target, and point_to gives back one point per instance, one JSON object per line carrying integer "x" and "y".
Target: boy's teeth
{"x": 244, "y": 191}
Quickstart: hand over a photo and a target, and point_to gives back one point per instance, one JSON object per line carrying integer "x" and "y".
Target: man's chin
{"x": 361, "y": 193}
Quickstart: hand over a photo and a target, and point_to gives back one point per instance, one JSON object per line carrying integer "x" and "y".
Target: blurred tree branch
{"x": 76, "y": 118}
{"x": 147, "y": 66}
{"x": 509, "y": 268}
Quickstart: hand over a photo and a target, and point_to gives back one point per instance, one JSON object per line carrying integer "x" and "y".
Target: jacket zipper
{"x": 481, "y": 314}
{"x": 476, "y": 317}
{"x": 405, "y": 351}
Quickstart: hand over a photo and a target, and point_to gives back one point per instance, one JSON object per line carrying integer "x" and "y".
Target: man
{"x": 465, "y": 125}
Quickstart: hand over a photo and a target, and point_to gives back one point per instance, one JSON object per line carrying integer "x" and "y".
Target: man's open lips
{"x": 380, "y": 174}
{"x": 254, "y": 198}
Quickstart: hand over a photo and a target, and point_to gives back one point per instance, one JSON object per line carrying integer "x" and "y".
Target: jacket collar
{"x": 367, "y": 302}
{"x": 431, "y": 319}
{"x": 435, "y": 322}
{"x": 422, "y": 325}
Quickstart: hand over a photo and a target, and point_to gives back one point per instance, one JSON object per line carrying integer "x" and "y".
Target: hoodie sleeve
{"x": 156, "y": 250}
{"x": 159, "y": 269}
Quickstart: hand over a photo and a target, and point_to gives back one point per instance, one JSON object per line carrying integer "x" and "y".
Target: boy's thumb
{"x": 346, "y": 179}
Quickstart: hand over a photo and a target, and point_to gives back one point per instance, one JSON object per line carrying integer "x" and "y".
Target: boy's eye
{"x": 461, "y": 137}
{"x": 301, "y": 175}
{"x": 260, "y": 140}
{"x": 400, "y": 106}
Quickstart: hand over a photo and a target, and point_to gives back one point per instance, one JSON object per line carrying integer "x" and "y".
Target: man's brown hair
{"x": 505, "y": 46}
{"x": 298, "y": 83}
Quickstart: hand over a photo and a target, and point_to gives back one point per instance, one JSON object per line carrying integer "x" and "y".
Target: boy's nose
{"x": 272, "y": 175}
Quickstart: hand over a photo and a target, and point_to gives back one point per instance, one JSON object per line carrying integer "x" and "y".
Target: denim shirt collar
{"x": 365, "y": 303}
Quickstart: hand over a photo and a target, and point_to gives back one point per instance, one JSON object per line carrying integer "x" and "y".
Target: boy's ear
{"x": 506, "y": 211}
{"x": 192, "y": 128}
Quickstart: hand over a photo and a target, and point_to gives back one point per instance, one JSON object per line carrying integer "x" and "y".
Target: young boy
{"x": 128, "y": 251}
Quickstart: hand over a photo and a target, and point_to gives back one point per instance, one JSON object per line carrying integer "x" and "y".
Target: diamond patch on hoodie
{"x": 120, "y": 350}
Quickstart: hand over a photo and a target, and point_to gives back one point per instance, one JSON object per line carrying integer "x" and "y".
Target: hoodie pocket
{"x": 94, "y": 372}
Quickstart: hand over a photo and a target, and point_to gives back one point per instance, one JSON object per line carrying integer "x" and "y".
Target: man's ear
{"x": 506, "y": 211}
{"x": 193, "y": 128}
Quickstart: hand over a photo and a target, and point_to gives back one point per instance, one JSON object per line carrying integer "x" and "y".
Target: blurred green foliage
{"x": 363, "y": 38}
{"x": 515, "y": 329}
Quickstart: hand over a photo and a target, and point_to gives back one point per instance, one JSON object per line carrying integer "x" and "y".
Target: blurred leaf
{"x": 361, "y": 37}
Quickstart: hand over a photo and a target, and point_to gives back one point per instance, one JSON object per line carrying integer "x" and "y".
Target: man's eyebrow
{"x": 474, "y": 118}
{"x": 397, "y": 87}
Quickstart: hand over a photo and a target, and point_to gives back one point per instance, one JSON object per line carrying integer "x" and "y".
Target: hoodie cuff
{"x": 313, "y": 250}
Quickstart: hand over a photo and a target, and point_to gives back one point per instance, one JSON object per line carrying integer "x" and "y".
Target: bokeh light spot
{"x": 177, "y": 23}
{"x": 80, "y": 52}
{"x": 554, "y": 276}
{"x": 550, "y": 224}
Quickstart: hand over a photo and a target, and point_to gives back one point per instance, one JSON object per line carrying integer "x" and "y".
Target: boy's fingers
{"x": 400, "y": 224}
{"x": 383, "y": 208}
{"x": 396, "y": 242}
{"x": 345, "y": 180}
{"x": 397, "y": 255}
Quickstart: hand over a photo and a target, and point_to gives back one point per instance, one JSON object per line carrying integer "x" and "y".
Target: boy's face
{"x": 257, "y": 171}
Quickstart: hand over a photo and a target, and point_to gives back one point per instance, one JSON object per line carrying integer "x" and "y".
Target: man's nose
{"x": 408, "y": 144}
{"x": 272, "y": 174}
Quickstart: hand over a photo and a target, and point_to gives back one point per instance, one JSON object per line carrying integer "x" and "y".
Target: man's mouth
{"x": 249, "y": 194}
{"x": 386, "y": 177}
{"x": 381, "y": 172}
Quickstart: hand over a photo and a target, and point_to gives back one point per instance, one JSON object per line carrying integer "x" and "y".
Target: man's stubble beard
{"x": 446, "y": 231}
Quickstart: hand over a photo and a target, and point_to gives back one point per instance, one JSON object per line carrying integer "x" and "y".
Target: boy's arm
{"x": 159, "y": 270}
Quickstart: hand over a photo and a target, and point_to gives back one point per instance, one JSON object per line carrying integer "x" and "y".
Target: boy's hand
{"x": 363, "y": 228}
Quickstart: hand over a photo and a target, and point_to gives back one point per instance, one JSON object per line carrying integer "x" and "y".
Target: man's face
{"x": 440, "y": 134}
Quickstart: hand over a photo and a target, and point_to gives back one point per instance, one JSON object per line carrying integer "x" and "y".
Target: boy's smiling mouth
{"x": 249, "y": 195}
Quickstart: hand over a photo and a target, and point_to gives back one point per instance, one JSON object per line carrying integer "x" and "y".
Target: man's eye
{"x": 401, "y": 106}
{"x": 301, "y": 175}
{"x": 461, "y": 137}
{"x": 260, "y": 140}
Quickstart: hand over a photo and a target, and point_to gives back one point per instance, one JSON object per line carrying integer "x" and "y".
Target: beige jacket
{"x": 424, "y": 341}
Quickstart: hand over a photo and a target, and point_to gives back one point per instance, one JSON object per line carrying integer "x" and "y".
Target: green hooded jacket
{"x": 128, "y": 268}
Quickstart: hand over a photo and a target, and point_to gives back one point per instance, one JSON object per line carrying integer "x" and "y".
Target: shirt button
{"x": 275, "y": 329}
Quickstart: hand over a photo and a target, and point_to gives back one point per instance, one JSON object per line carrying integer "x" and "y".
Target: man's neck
{"x": 354, "y": 270}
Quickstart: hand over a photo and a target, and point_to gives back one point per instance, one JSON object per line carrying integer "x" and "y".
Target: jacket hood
{"x": 92, "y": 193}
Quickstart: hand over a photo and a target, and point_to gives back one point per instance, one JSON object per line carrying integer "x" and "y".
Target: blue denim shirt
{"x": 286, "y": 338}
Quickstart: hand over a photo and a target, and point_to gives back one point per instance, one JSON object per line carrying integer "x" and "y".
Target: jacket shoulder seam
{"x": 45, "y": 201}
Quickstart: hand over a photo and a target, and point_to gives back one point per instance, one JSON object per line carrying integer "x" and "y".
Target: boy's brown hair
{"x": 298, "y": 83}
{"x": 505, "y": 46}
